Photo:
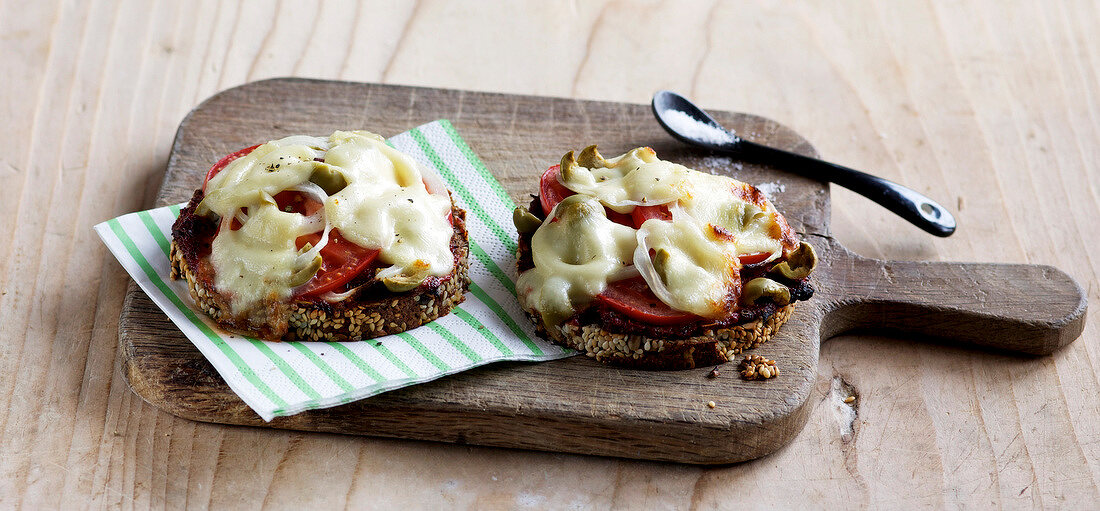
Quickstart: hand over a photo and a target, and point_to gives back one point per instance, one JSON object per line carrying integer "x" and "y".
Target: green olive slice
{"x": 799, "y": 264}
{"x": 590, "y": 157}
{"x": 568, "y": 167}
{"x": 328, "y": 177}
{"x": 526, "y": 222}
{"x": 400, "y": 283}
{"x": 760, "y": 288}
{"x": 307, "y": 272}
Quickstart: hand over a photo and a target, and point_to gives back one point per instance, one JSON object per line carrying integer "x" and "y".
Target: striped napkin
{"x": 283, "y": 378}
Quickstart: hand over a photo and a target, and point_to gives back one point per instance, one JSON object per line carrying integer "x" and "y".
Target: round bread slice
{"x": 708, "y": 346}
{"x": 711, "y": 347}
{"x": 370, "y": 313}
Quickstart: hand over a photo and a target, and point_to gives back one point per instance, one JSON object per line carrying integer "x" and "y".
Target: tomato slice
{"x": 341, "y": 259}
{"x": 633, "y": 298}
{"x": 753, "y": 258}
{"x": 619, "y": 218}
{"x": 297, "y": 202}
{"x": 224, "y": 162}
{"x": 643, "y": 213}
{"x": 551, "y": 192}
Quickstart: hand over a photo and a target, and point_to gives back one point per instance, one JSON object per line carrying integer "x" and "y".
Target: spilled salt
{"x": 771, "y": 189}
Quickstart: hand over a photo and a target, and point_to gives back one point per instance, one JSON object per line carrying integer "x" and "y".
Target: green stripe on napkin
{"x": 278, "y": 379}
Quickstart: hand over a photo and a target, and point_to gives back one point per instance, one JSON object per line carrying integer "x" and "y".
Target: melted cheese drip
{"x": 715, "y": 204}
{"x": 711, "y": 226}
{"x": 255, "y": 261}
{"x": 636, "y": 178}
{"x": 700, "y": 271}
{"x": 385, "y": 206}
{"x": 575, "y": 257}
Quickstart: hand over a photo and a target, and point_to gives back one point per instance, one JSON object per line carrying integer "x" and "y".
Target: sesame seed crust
{"x": 713, "y": 346}
{"x": 352, "y": 319}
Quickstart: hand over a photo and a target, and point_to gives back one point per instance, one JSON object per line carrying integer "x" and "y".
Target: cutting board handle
{"x": 1018, "y": 307}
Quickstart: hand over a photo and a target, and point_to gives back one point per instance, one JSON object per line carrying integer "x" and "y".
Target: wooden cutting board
{"x": 577, "y": 405}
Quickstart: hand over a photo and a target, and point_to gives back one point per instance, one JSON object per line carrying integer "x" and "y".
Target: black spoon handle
{"x": 906, "y": 202}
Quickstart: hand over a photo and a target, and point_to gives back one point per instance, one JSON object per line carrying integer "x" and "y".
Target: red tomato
{"x": 551, "y": 192}
{"x": 619, "y": 218}
{"x": 341, "y": 259}
{"x": 224, "y": 162}
{"x": 633, "y": 298}
{"x": 643, "y": 213}
{"x": 753, "y": 258}
{"x": 297, "y": 202}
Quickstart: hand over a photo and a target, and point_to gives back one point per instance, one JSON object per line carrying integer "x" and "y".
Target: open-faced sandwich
{"x": 645, "y": 263}
{"x": 322, "y": 238}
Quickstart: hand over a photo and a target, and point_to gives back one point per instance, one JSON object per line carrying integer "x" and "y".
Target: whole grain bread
{"x": 372, "y": 312}
{"x": 645, "y": 348}
{"x": 711, "y": 346}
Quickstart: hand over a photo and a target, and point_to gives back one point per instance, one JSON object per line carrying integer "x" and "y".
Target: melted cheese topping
{"x": 387, "y": 206}
{"x": 718, "y": 205}
{"x": 690, "y": 270}
{"x": 384, "y": 206}
{"x": 577, "y": 251}
{"x": 690, "y": 263}
{"x": 637, "y": 178}
{"x": 255, "y": 261}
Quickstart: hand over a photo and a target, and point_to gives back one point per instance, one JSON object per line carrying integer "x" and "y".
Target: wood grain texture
{"x": 988, "y": 106}
{"x": 577, "y": 405}
{"x": 573, "y": 405}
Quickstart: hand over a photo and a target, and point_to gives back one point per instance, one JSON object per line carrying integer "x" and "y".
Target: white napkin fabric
{"x": 284, "y": 378}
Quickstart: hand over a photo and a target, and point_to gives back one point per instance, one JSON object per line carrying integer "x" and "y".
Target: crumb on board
{"x": 711, "y": 404}
{"x": 756, "y": 367}
{"x": 849, "y": 399}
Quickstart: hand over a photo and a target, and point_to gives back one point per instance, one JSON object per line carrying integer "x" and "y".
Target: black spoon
{"x": 690, "y": 124}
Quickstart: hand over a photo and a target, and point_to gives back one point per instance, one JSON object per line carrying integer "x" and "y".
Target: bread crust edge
{"x": 352, "y": 319}
{"x": 711, "y": 347}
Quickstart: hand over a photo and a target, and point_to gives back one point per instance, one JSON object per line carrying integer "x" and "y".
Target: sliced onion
{"x": 226, "y": 224}
{"x": 626, "y": 272}
{"x": 305, "y": 258}
{"x": 241, "y": 216}
{"x": 314, "y": 223}
{"x": 311, "y": 189}
{"x": 679, "y": 213}
{"x": 333, "y": 297}
{"x": 432, "y": 181}
{"x": 316, "y": 192}
{"x": 648, "y": 272}
{"x": 386, "y": 273}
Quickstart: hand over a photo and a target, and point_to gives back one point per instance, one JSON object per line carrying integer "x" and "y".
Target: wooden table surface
{"x": 991, "y": 107}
